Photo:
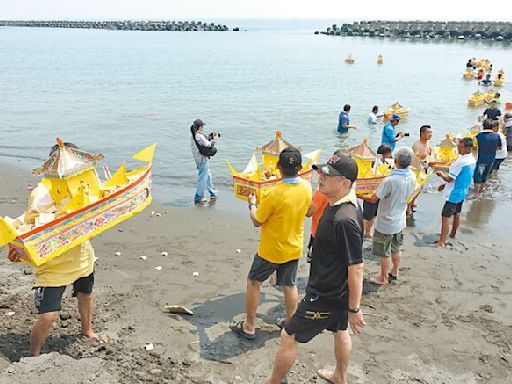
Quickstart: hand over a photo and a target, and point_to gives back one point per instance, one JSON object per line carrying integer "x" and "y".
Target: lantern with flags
{"x": 262, "y": 175}
{"x": 71, "y": 204}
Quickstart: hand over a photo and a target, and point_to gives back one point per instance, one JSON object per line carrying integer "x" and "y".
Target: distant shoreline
{"x": 122, "y": 25}
{"x": 460, "y": 30}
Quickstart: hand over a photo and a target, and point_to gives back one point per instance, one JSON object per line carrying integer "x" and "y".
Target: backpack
{"x": 205, "y": 151}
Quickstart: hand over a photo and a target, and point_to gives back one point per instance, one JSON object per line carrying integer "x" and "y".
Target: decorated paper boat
{"x": 478, "y": 98}
{"x": 369, "y": 178}
{"x": 260, "y": 175}
{"x": 444, "y": 154}
{"x": 74, "y": 205}
{"x": 396, "y": 109}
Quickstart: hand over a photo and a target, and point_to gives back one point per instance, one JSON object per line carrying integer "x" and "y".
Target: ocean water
{"x": 116, "y": 92}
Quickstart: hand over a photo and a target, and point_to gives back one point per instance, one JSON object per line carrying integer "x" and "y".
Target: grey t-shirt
{"x": 393, "y": 194}
{"x": 202, "y": 140}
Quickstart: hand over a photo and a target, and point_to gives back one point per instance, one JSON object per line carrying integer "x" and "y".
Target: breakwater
{"x": 127, "y": 25}
{"x": 499, "y": 31}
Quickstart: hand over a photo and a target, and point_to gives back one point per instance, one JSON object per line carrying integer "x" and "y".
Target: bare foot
{"x": 379, "y": 280}
{"x": 330, "y": 377}
{"x": 367, "y": 235}
{"x": 438, "y": 244}
{"x": 101, "y": 339}
{"x": 453, "y": 234}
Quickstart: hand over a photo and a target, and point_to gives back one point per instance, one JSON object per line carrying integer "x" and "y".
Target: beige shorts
{"x": 385, "y": 245}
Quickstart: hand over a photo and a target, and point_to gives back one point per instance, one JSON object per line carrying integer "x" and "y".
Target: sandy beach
{"x": 446, "y": 320}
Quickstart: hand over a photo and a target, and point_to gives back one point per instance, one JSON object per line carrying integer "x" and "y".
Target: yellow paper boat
{"x": 368, "y": 178}
{"x": 498, "y": 81}
{"x": 86, "y": 206}
{"x": 444, "y": 154}
{"x": 478, "y": 98}
{"x": 468, "y": 75}
{"x": 397, "y": 109}
{"x": 260, "y": 175}
{"x": 350, "y": 59}
{"x": 380, "y": 59}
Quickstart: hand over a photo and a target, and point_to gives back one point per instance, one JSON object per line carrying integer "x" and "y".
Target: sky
{"x": 498, "y": 10}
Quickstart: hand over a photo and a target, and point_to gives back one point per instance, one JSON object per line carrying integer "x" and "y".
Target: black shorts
{"x": 450, "y": 209}
{"x": 370, "y": 210}
{"x": 261, "y": 270}
{"x": 315, "y": 315}
{"x": 47, "y": 299}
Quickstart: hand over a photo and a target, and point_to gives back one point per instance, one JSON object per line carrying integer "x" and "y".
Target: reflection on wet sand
{"x": 480, "y": 212}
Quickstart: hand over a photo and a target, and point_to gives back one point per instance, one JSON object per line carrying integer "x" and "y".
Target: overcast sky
{"x": 211, "y": 9}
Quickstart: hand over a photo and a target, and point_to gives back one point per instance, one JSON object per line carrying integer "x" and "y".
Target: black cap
{"x": 198, "y": 123}
{"x": 290, "y": 158}
{"x": 339, "y": 164}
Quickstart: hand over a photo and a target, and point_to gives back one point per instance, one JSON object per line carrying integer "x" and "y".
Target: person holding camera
{"x": 203, "y": 148}
{"x": 389, "y": 136}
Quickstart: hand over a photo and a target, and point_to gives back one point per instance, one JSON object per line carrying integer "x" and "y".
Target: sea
{"x": 115, "y": 92}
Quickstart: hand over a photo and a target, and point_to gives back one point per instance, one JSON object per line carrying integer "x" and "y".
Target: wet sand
{"x": 446, "y": 320}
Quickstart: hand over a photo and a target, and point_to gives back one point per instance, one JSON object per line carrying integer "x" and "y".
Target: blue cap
{"x": 395, "y": 117}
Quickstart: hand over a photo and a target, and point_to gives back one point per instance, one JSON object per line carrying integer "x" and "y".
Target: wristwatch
{"x": 354, "y": 310}
{"x": 251, "y": 204}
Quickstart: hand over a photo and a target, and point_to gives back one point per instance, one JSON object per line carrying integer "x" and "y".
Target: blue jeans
{"x": 204, "y": 181}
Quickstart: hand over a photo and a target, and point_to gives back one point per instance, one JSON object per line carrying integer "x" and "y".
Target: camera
{"x": 210, "y": 136}
{"x": 406, "y": 134}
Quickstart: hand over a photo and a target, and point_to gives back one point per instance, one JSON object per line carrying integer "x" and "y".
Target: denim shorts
{"x": 481, "y": 172}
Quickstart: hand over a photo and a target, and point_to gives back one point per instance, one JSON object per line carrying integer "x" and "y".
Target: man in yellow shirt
{"x": 76, "y": 267}
{"x": 280, "y": 215}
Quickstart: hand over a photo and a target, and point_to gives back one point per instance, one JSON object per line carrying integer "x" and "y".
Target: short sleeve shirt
{"x": 488, "y": 143}
{"x": 393, "y": 194}
{"x": 372, "y": 118}
{"x": 461, "y": 171}
{"x": 343, "y": 120}
{"x": 281, "y": 213}
{"x": 492, "y": 113}
{"x": 388, "y": 135}
{"x": 338, "y": 244}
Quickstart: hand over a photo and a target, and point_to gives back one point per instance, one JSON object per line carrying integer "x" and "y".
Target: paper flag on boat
{"x": 252, "y": 165}
{"x": 146, "y": 154}
{"x": 313, "y": 156}
{"x": 119, "y": 177}
{"x": 7, "y": 232}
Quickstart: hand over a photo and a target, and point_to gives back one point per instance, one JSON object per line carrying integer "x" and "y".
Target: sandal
{"x": 238, "y": 328}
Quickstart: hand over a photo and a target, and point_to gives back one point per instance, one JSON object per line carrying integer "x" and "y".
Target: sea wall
{"x": 127, "y": 25}
{"x": 461, "y": 30}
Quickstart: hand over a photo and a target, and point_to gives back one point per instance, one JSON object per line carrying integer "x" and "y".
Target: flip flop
{"x": 391, "y": 277}
{"x": 238, "y": 328}
{"x": 280, "y": 323}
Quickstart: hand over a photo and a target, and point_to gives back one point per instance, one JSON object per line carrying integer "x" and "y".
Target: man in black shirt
{"x": 493, "y": 112}
{"x": 335, "y": 285}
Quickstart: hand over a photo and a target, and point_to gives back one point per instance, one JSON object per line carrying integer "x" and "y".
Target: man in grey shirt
{"x": 392, "y": 196}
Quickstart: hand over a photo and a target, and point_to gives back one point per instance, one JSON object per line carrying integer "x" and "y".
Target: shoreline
{"x": 446, "y": 320}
